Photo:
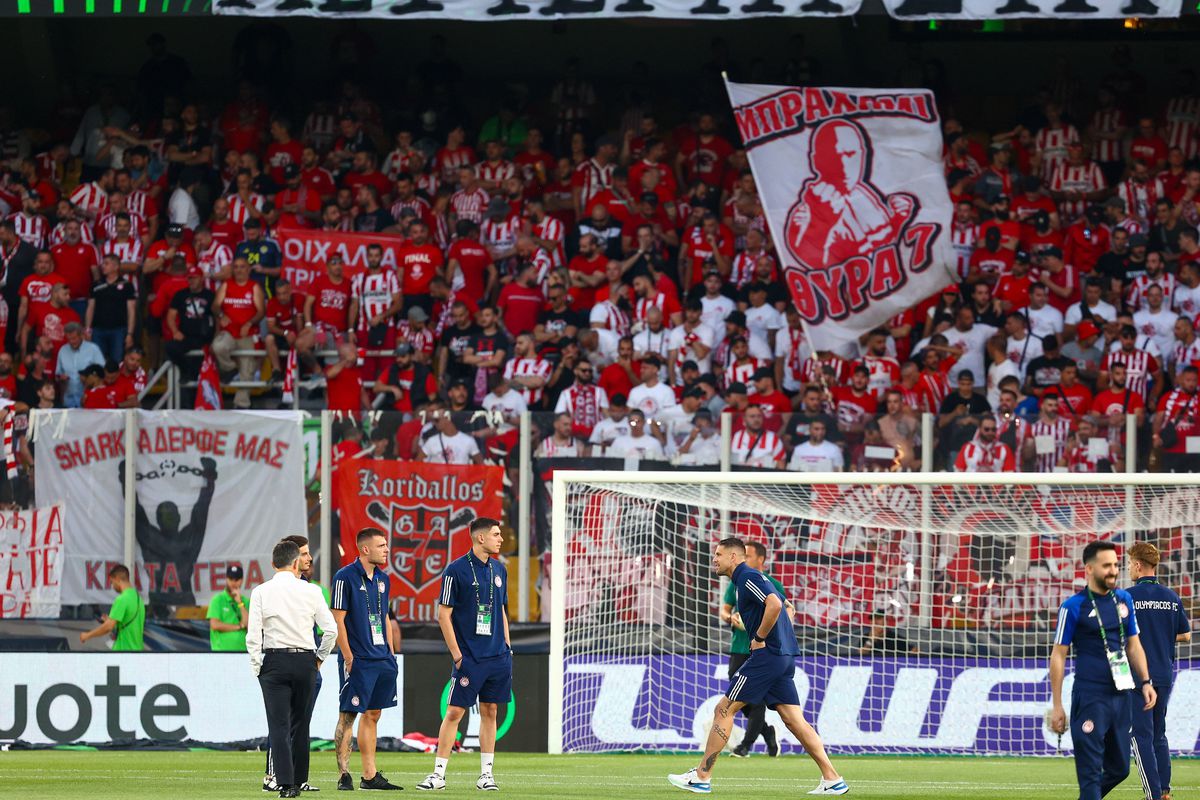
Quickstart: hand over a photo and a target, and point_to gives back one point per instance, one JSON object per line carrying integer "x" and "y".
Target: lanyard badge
{"x": 374, "y": 618}
{"x": 483, "y": 614}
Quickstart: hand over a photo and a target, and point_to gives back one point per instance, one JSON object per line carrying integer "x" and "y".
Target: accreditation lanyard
{"x": 1118, "y": 662}
{"x": 374, "y": 618}
{"x": 483, "y": 613}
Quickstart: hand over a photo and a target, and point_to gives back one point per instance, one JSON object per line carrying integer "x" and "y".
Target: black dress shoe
{"x": 345, "y": 783}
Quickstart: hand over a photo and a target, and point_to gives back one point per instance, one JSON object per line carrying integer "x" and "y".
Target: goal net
{"x": 925, "y": 604}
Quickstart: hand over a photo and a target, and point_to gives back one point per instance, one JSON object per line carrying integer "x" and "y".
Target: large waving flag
{"x": 852, "y": 184}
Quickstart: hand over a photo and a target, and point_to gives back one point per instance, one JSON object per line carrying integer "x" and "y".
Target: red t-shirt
{"x": 706, "y": 161}
{"x": 228, "y": 233}
{"x": 614, "y": 380}
{"x": 74, "y": 263}
{"x": 279, "y": 155}
{"x": 344, "y": 390}
{"x": 332, "y": 303}
{"x": 286, "y": 316}
{"x": 700, "y": 250}
{"x": 353, "y": 180}
{"x": 585, "y": 297}
{"x": 37, "y": 288}
{"x": 238, "y": 305}
{"x": 106, "y": 396}
{"x": 1015, "y": 290}
{"x": 519, "y": 307}
{"x": 160, "y": 247}
{"x": 308, "y": 200}
{"x": 419, "y": 264}
{"x": 473, "y": 259}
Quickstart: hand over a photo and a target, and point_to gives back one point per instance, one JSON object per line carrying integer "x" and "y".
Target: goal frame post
{"x": 563, "y": 479}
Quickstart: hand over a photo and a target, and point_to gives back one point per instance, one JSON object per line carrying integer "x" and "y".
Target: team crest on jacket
{"x": 499, "y": 582}
{"x": 1088, "y": 726}
{"x": 1123, "y": 610}
{"x": 464, "y": 681}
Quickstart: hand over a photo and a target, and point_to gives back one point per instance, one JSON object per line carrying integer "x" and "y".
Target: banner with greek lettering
{"x": 852, "y": 184}
{"x": 486, "y": 10}
{"x": 214, "y": 488}
{"x": 306, "y": 252}
{"x": 31, "y": 562}
{"x": 425, "y": 510}
{"x": 1035, "y": 9}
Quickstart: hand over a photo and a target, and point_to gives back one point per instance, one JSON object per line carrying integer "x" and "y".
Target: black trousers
{"x": 756, "y": 715}
{"x": 288, "y": 682}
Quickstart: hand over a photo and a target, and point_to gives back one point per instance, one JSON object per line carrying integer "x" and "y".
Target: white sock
{"x": 439, "y": 766}
{"x": 485, "y": 762}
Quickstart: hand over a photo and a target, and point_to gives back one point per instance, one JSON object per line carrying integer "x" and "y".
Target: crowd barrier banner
{"x": 1032, "y": 9}
{"x": 855, "y": 195}
{"x": 425, "y": 510}
{"x": 485, "y": 10}
{"x": 55, "y": 698}
{"x": 877, "y": 705}
{"x": 213, "y": 488}
{"x": 306, "y": 252}
{"x": 31, "y": 563}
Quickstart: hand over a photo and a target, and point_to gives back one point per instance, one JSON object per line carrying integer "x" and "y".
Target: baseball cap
{"x": 417, "y": 314}
{"x": 234, "y": 572}
{"x": 1022, "y": 256}
{"x": 291, "y": 171}
{"x": 737, "y": 387}
{"x": 1086, "y": 329}
{"x": 195, "y": 272}
{"x": 1053, "y": 251}
{"x": 404, "y": 349}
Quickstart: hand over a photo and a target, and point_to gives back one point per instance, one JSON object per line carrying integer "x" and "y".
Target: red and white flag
{"x": 208, "y": 389}
{"x": 289, "y": 376}
{"x": 855, "y": 195}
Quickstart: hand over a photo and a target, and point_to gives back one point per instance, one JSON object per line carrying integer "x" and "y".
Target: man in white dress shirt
{"x": 279, "y": 639}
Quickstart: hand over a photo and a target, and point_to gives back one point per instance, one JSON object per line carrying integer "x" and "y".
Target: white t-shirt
{"x": 182, "y": 210}
{"x": 678, "y": 424}
{"x": 511, "y": 404}
{"x": 783, "y": 350}
{"x": 652, "y": 400}
{"x": 703, "y": 452}
{"x": 642, "y": 448}
{"x": 1186, "y": 301}
{"x": 676, "y": 341}
{"x": 1045, "y": 320}
{"x": 1160, "y": 326}
{"x": 1102, "y": 310}
{"x": 809, "y": 457}
{"x": 974, "y": 344}
{"x": 762, "y": 319}
{"x": 606, "y": 348}
{"x": 996, "y": 373}
{"x": 1022, "y": 352}
{"x": 607, "y": 430}
{"x": 716, "y": 309}
{"x": 457, "y": 449}
{"x": 648, "y": 341}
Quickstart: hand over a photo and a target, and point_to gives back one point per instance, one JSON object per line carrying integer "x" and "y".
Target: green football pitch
{"x": 137, "y": 775}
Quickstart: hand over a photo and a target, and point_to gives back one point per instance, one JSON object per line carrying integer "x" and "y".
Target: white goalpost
{"x": 925, "y": 602}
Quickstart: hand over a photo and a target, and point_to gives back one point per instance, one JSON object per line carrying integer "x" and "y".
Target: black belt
{"x": 289, "y": 650}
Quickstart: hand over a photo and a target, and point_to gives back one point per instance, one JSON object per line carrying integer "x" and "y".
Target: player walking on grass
{"x": 474, "y": 624}
{"x": 367, "y": 668}
{"x": 1101, "y": 623}
{"x": 765, "y": 678}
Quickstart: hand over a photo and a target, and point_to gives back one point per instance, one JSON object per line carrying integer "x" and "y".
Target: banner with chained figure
{"x": 213, "y": 488}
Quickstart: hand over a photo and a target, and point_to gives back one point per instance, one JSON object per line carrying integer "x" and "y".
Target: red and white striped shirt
{"x": 374, "y": 291}
{"x": 1057, "y": 431}
{"x": 469, "y": 205}
{"x": 936, "y": 387}
{"x": 141, "y": 203}
{"x": 500, "y": 235}
{"x": 1084, "y": 178}
{"x": 90, "y": 198}
{"x": 552, "y": 230}
{"x": 130, "y": 251}
{"x": 397, "y": 162}
{"x": 495, "y": 173}
{"x": 59, "y": 234}
{"x": 592, "y": 178}
{"x": 535, "y": 367}
{"x": 1139, "y": 366}
{"x": 963, "y": 239}
{"x": 1107, "y": 121}
{"x": 212, "y": 261}
{"x": 447, "y": 162}
{"x": 1186, "y": 355}
{"x": 762, "y": 449}
{"x": 812, "y": 369}
{"x": 1130, "y": 225}
{"x": 31, "y": 228}
{"x": 106, "y": 226}
{"x": 1140, "y": 199}
{"x": 1052, "y": 144}
{"x": 418, "y": 205}
{"x": 320, "y": 129}
{"x": 239, "y": 211}
{"x": 975, "y": 456}
{"x": 742, "y": 271}
{"x": 422, "y": 341}
{"x": 742, "y": 373}
{"x": 1142, "y": 283}
{"x": 1183, "y": 123}
{"x": 1079, "y": 458}
{"x": 609, "y": 316}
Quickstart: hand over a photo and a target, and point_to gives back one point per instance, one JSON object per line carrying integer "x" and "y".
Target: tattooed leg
{"x": 718, "y": 735}
{"x": 342, "y": 735}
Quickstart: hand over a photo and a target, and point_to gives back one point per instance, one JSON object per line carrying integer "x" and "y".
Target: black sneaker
{"x": 772, "y": 742}
{"x": 741, "y": 751}
{"x": 345, "y": 783}
{"x": 290, "y": 791}
{"x": 378, "y": 782}
{"x": 269, "y": 785}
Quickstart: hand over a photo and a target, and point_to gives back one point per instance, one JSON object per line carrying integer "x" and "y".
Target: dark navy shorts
{"x": 371, "y": 685}
{"x": 488, "y": 681}
{"x": 765, "y": 679}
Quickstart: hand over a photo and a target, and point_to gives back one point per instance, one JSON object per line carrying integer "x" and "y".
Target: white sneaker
{"x": 690, "y": 783}
{"x": 487, "y": 783}
{"x": 835, "y": 786}
{"x": 432, "y": 782}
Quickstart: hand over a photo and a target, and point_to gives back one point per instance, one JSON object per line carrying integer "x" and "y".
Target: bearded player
{"x": 765, "y": 678}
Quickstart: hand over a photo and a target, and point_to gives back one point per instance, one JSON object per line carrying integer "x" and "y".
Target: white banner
{"x": 852, "y": 184}
{"x": 486, "y": 10}
{"x": 213, "y": 488}
{"x": 104, "y": 697}
{"x": 31, "y": 563}
{"x": 1024, "y": 9}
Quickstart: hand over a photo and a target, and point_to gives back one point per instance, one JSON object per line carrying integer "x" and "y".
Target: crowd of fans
{"x": 615, "y": 274}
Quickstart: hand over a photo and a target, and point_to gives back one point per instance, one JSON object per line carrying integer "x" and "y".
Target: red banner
{"x": 305, "y": 252}
{"x": 425, "y": 510}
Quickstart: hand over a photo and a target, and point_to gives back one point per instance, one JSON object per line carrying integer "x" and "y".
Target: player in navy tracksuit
{"x": 766, "y": 678}
{"x": 367, "y": 668}
{"x": 474, "y": 623}
{"x": 1163, "y": 622}
{"x": 1110, "y": 666}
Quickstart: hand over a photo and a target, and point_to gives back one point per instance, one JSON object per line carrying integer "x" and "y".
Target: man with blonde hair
{"x": 1163, "y": 622}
